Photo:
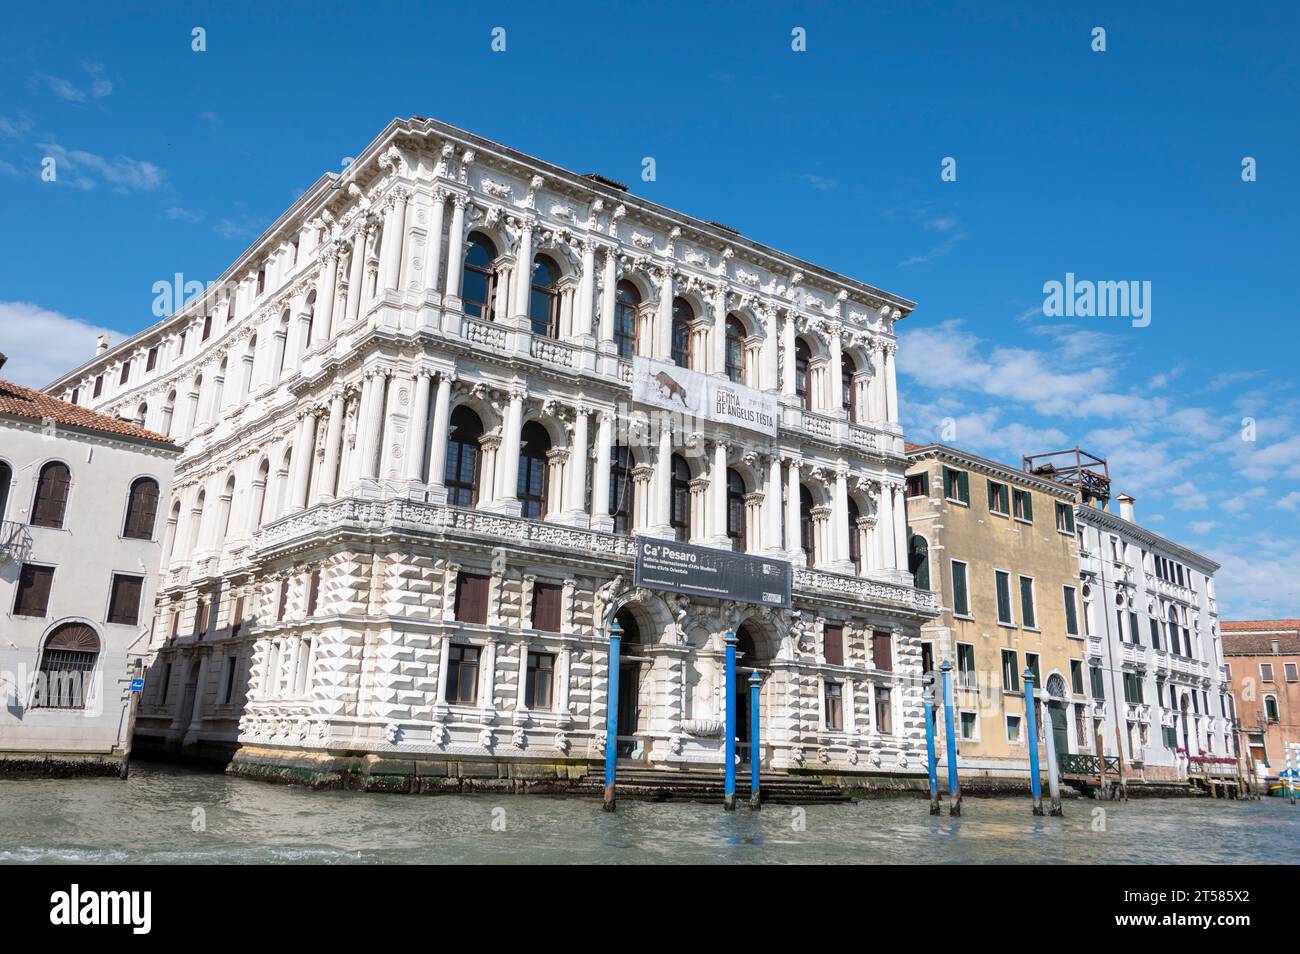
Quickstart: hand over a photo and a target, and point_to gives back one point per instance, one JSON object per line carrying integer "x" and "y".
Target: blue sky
{"x": 1115, "y": 165}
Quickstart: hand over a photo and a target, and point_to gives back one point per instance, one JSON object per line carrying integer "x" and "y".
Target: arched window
{"x": 627, "y": 304}
{"x": 67, "y": 667}
{"x": 855, "y": 544}
{"x": 683, "y": 315}
{"x": 282, "y": 343}
{"x": 544, "y": 298}
{"x": 6, "y": 478}
{"x": 848, "y": 400}
{"x": 1270, "y": 709}
{"x": 141, "y": 509}
{"x": 259, "y": 491}
{"x": 478, "y": 281}
{"x": 196, "y": 398}
{"x": 802, "y": 376}
{"x": 169, "y": 409}
{"x": 736, "y": 510}
{"x": 461, "y": 472}
{"x": 1173, "y": 633}
{"x": 250, "y": 356}
{"x": 218, "y": 389}
{"x": 918, "y": 561}
{"x": 620, "y": 488}
{"x": 51, "y": 495}
{"x": 531, "y": 487}
{"x": 735, "y": 355}
{"x": 679, "y": 501}
{"x": 304, "y": 343}
{"x": 806, "y": 525}
{"x": 142, "y": 413}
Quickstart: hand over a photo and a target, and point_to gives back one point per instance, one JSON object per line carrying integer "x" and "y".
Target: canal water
{"x": 172, "y": 815}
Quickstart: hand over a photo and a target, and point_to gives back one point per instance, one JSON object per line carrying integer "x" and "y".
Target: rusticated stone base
{"x": 62, "y": 765}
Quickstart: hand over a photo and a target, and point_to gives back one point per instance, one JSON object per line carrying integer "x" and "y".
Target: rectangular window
{"x": 34, "y": 584}
{"x": 1013, "y": 730}
{"x": 200, "y": 619}
{"x": 1064, "y": 518}
{"x": 968, "y": 726}
{"x": 1098, "y": 687}
{"x": 1071, "y": 611}
{"x": 966, "y": 665}
{"x": 884, "y": 712}
{"x": 1134, "y": 630}
{"x": 1265, "y": 669}
{"x": 834, "y": 638}
{"x": 541, "y": 676}
{"x": 152, "y": 361}
{"x": 237, "y": 617}
{"x": 99, "y": 385}
{"x": 1028, "y": 617}
{"x": 956, "y": 485}
{"x": 834, "y": 706}
{"x": 284, "y": 600}
{"x": 998, "y": 500}
{"x": 1290, "y": 670}
{"x": 1010, "y": 671}
{"x": 882, "y": 651}
{"x": 1031, "y": 663}
{"x": 546, "y": 606}
{"x": 918, "y": 485}
{"x": 207, "y": 327}
{"x": 232, "y": 667}
{"x": 1023, "y": 506}
{"x": 1076, "y": 676}
{"x": 471, "y": 598}
{"x": 124, "y": 599}
{"x": 1155, "y": 632}
{"x": 1002, "y": 581}
{"x": 462, "y": 675}
{"x": 126, "y": 373}
{"x": 960, "y": 589}
{"x": 313, "y": 592}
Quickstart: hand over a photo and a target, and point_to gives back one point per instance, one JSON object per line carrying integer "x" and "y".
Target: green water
{"x": 177, "y": 816}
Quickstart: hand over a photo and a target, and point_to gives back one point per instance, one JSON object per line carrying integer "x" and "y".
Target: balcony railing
{"x": 355, "y": 516}
{"x": 1072, "y": 764}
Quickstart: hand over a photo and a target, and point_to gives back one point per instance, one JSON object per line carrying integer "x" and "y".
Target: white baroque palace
{"x": 413, "y": 476}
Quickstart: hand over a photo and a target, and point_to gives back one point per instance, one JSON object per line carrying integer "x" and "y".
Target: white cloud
{"x": 1202, "y": 527}
{"x": 178, "y": 214}
{"x": 62, "y": 88}
{"x": 123, "y": 173}
{"x": 821, "y": 183}
{"x": 1260, "y": 578}
{"x": 1290, "y": 502}
{"x": 41, "y": 344}
{"x": 100, "y": 86}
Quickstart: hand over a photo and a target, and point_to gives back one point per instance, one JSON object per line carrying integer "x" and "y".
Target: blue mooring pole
{"x": 611, "y": 721}
{"x": 729, "y": 749}
{"x": 928, "y": 695}
{"x": 755, "y": 757}
{"x": 1035, "y": 785}
{"x": 954, "y": 786}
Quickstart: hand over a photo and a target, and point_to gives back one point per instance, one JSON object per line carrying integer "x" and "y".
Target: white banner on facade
{"x": 664, "y": 385}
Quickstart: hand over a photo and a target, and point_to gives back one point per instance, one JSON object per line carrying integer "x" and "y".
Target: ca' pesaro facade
{"x": 415, "y": 473}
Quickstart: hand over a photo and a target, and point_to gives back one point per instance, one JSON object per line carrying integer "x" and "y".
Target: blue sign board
{"x": 720, "y": 574}
{"x": 137, "y": 685}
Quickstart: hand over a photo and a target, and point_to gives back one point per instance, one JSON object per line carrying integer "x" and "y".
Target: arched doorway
{"x": 1056, "y": 712}
{"x": 631, "y": 658}
{"x": 918, "y": 561}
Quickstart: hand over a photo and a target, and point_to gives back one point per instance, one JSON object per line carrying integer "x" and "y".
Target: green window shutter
{"x": 963, "y": 486}
{"x": 960, "y": 598}
{"x": 1071, "y": 613}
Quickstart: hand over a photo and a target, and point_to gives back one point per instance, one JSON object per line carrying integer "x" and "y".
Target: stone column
{"x": 718, "y": 487}
{"x": 885, "y": 528}
{"x": 523, "y": 276}
{"x": 586, "y": 291}
{"x": 508, "y": 465}
{"x": 793, "y": 545}
{"x": 415, "y": 456}
{"x": 600, "y": 519}
{"x": 608, "y": 299}
{"x": 770, "y": 379}
{"x": 433, "y": 253}
{"x": 900, "y": 527}
{"x": 389, "y": 451}
{"x": 576, "y": 497}
{"x": 718, "y": 362}
{"x": 356, "y": 275}
{"x": 393, "y": 236}
{"x": 663, "y": 349}
{"x": 441, "y": 430}
{"x": 304, "y": 444}
{"x": 876, "y": 387}
{"x": 323, "y": 326}
{"x": 772, "y": 505}
{"x": 836, "y": 389}
{"x": 663, "y": 477}
{"x": 353, "y": 473}
{"x": 891, "y": 384}
{"x": 455, "y": 251}
{"x": 373, "y": 427}
{"x": 333, "y": 447}
{"x": 787, "y": 370}
{"x": 196, "y": 719}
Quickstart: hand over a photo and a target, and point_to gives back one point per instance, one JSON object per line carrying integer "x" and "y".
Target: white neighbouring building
{"x": 1154, "y": 646}
{"x": 413, "y": 476}
{"x": 80, "y": 544}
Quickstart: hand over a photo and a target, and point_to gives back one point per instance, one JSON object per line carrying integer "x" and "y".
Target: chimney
{"x": 1277, "y": 646}
{"x": 101, "y": 344}
{"x": 1126, "y": 507}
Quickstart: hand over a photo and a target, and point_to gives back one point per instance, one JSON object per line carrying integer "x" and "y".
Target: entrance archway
{"x": 1056, "y": 712}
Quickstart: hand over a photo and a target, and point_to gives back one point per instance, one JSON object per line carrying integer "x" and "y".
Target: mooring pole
{"x": 928, "y": 695}
{"x": 754, "y": 757}
{"x": 1053, "y": 778}
{"x": 1290, "y": 775}
{"x": 954, "y": 787}
{"x": 1035, "y": 786}
{"x": 729, "y": 749}
{"x": 611, "y": 721}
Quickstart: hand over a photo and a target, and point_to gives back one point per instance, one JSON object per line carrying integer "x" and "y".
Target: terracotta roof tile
{"x": 18, "y": 401}
{"x": 1261, "y": 625}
